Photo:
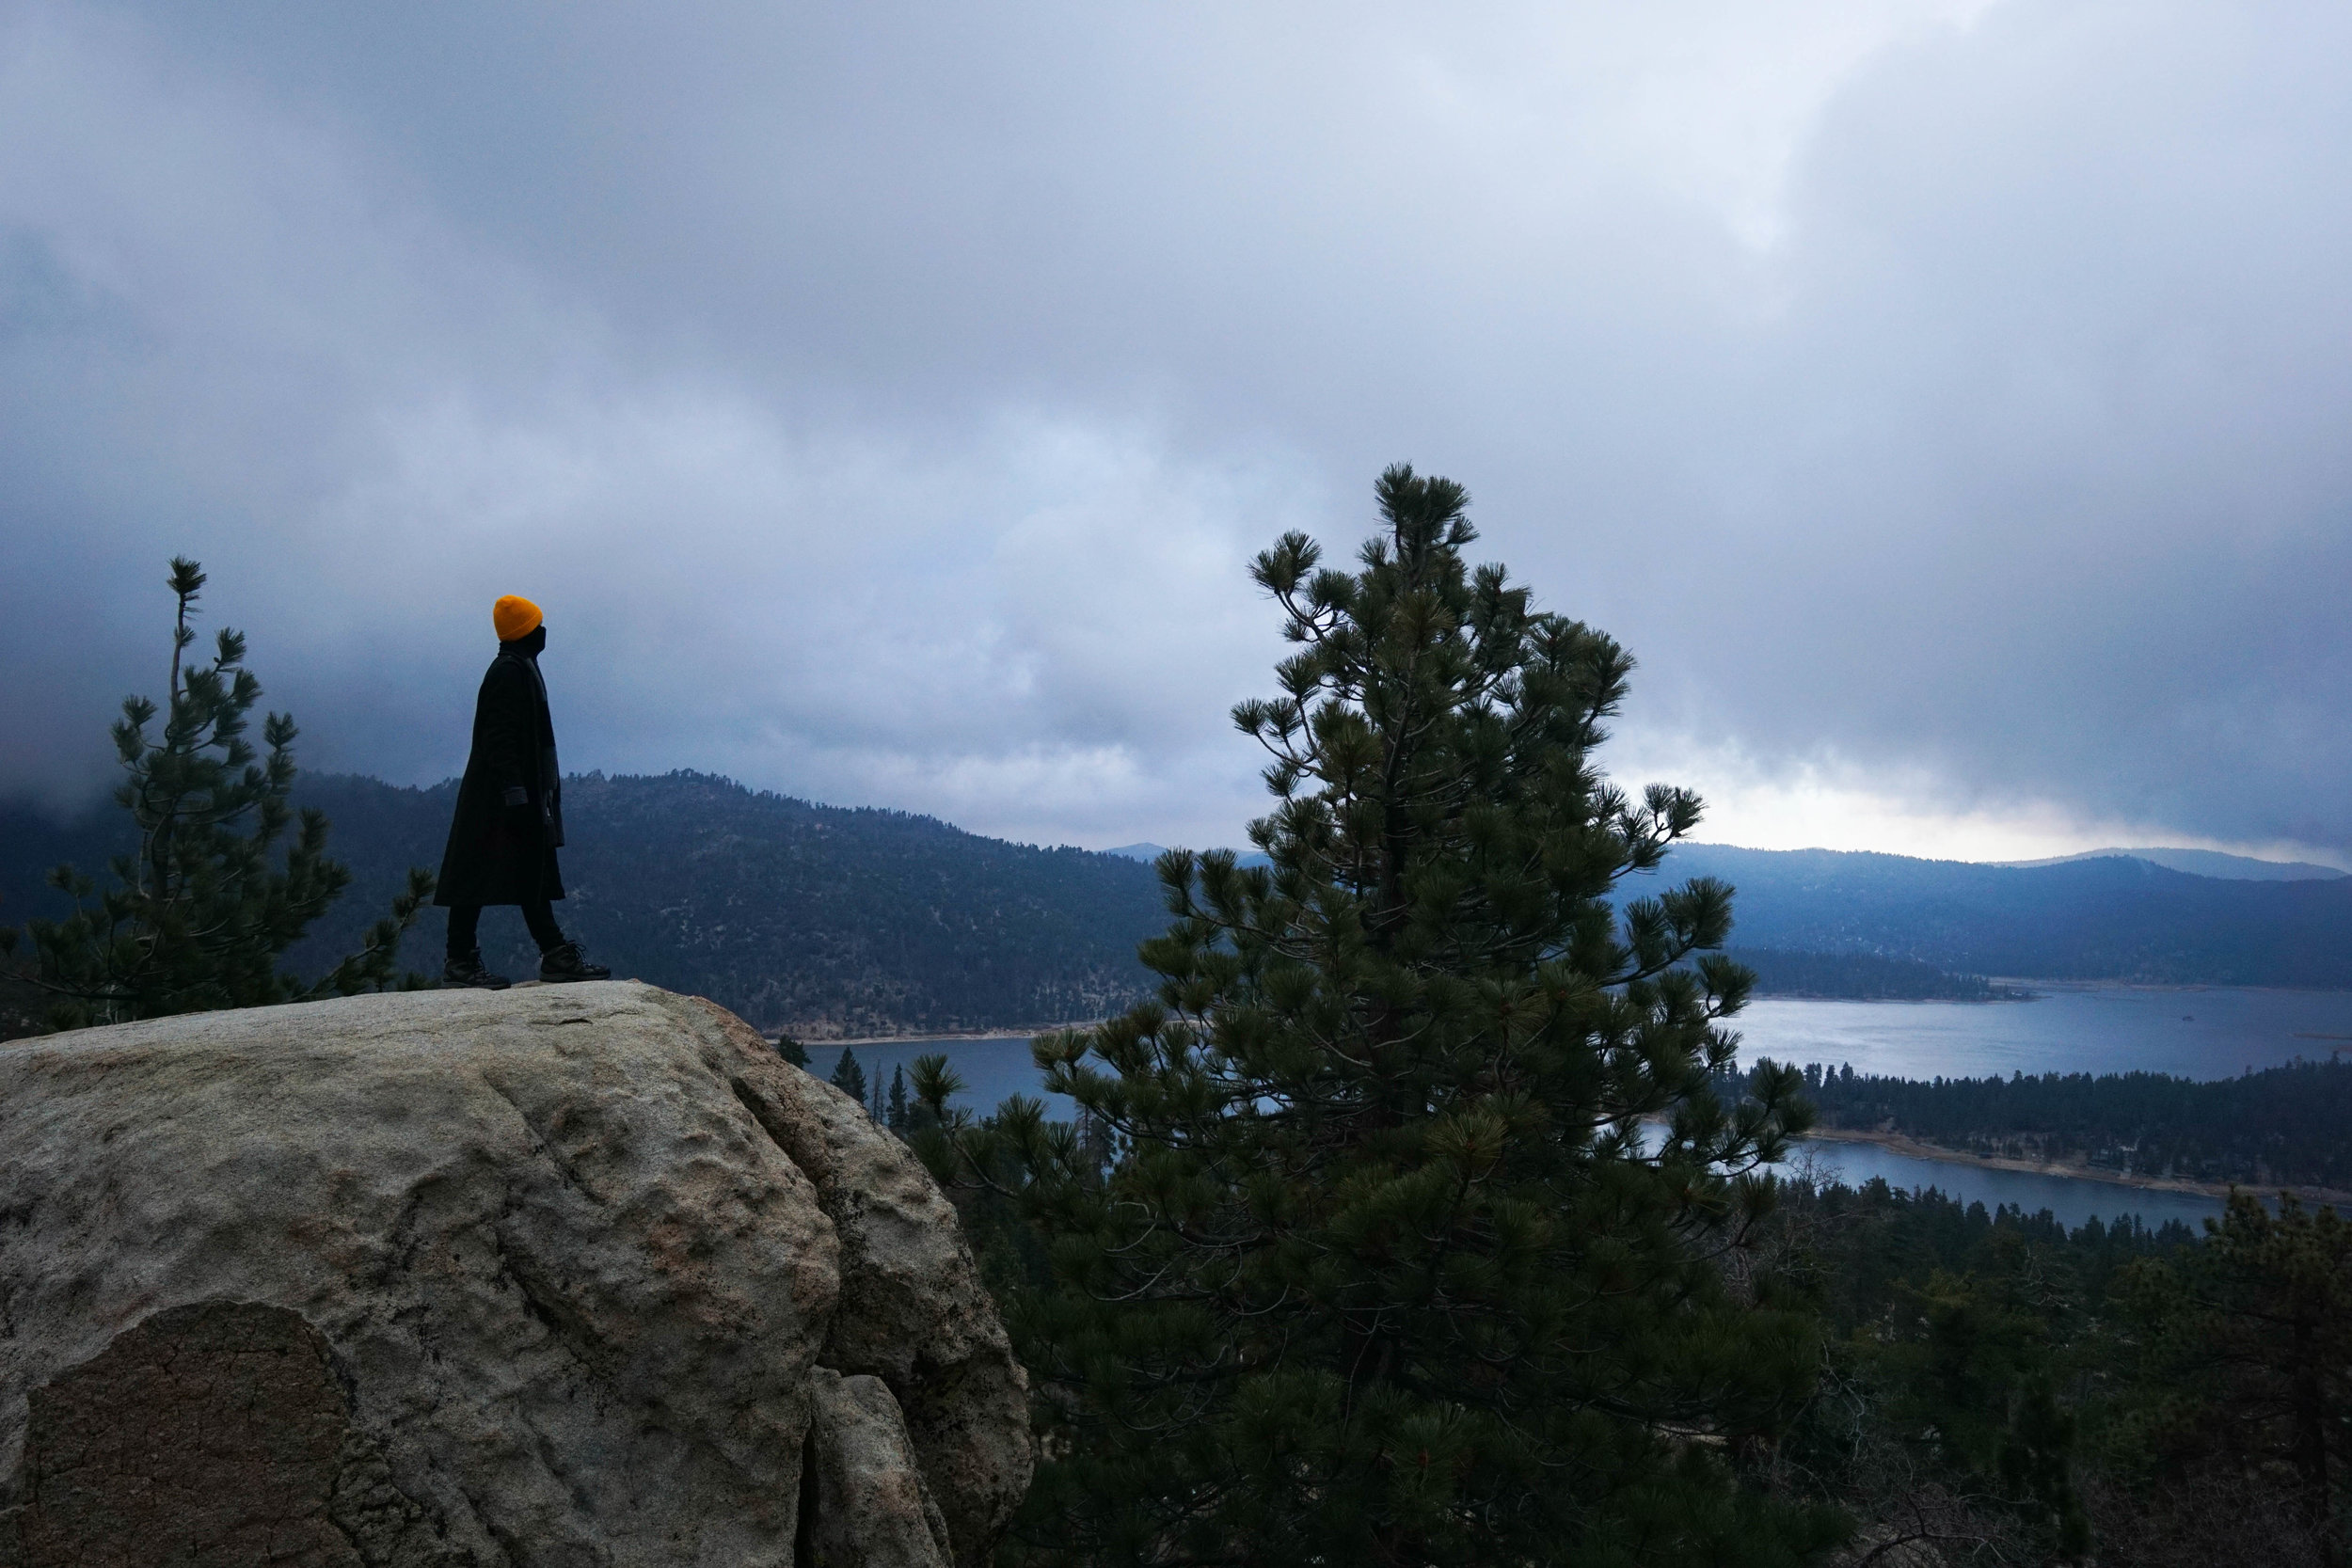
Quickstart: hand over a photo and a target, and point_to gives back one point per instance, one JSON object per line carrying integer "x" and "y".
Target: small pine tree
{"x": 791, "y": 1051}
{"x": 934, "y": 1084}
{"x": 1415, "y": 1242}
{"x": 897, "y": 1118}
{"x": 200, "y": 918}
{"x": 849, "y": 1077}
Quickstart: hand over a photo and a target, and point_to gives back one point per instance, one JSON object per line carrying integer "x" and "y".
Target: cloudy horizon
{"x": 1941, "y": 399}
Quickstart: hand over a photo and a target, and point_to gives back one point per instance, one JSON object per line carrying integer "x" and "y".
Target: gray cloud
{"x": 884, "y": 401}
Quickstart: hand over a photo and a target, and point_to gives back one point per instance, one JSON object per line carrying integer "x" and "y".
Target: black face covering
{"x": 530, "y": 641}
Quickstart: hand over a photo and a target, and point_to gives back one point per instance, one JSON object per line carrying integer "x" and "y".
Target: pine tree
{"x": 791, "y": 1051}
{"x": 1385, "y": 1267}
{"x": 200, "y": 918}
{"x": 849, "y": 1077}
{"x": 1978, "y": 1373}
{"x": 897, "y": 1117}
{"x": 932, "y": 1086}
{"x": 2249, "y": 1338}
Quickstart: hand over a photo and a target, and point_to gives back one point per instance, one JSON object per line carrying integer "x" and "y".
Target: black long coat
{"x": 499, "y": 852}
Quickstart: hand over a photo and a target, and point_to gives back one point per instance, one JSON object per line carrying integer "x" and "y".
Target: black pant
{"x": 465, "y": 921}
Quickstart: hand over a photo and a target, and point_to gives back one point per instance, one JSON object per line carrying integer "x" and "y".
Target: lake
{"x": 2197, "y": 1032}
{"x": 2072, "y": 1198}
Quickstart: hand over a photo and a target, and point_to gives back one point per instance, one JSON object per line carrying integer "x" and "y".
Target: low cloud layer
{"x": 1943, "y": 400}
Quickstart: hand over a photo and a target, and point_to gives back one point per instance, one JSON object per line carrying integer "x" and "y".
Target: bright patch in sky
{"x": 1817, "y": 808}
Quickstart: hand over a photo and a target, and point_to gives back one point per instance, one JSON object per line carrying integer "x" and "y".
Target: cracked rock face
{"x": 568, "y": 1275}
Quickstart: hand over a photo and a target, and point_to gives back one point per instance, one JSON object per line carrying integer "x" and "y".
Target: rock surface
{"x": 569, "y": 1275}
{"x": 872, "y": 1505}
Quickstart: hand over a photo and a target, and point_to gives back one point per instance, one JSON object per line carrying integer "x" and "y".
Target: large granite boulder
{"x": 560, "y": 1276}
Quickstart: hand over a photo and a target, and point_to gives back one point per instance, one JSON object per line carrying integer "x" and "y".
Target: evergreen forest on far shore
{"x": 2281, "y": 1126}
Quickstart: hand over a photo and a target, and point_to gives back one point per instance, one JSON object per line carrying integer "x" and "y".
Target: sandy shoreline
{"x": 1901, "y": 1143}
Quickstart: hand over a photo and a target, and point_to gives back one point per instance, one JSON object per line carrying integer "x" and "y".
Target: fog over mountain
{"x": 1942, "y": 398}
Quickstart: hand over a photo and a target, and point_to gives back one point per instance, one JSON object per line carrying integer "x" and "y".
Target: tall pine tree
{"x": 1411, "y": 1227}
{"x": 849, "y": 1077}
{"x": 200, "y": 917}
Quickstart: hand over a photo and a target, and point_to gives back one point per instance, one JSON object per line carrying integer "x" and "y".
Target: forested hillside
{"x": 2286, "y": 1124}
{"x": 832, "y": 922}
{"x": 821, "y": 920}
{"x": 1865, "y": 978}
{"x": 2114, "y": 919}
{"x": 2007, "y": 1391}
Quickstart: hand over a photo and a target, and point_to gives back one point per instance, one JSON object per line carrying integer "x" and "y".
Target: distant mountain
{"x": 824, "y": 921}
{"x": 830, "y": 921}
{"x": 2116, "y": 918}
{"x": 1803, "y": 914}
{"x": 2201, "y": 862}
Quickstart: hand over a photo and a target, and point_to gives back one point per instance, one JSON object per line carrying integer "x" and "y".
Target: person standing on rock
{"x": 510, "y": 812}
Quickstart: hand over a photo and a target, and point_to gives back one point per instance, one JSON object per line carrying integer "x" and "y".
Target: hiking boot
{"x": 567, "y": 962}
{"x": 469, "y": 970}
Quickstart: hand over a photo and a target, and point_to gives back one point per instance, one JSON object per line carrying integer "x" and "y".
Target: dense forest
{"x": 2284, "y": 1125}
{"x": 1996, "y": 1390}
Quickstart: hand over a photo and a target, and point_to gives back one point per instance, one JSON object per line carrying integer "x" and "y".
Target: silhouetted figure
{"x": 510, "y": 812}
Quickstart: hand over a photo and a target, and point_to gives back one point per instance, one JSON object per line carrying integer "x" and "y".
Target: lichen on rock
{"x": 553, "y": 1275}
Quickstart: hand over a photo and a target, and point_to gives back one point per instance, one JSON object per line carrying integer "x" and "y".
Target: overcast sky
{"x": 1946, "y": 401}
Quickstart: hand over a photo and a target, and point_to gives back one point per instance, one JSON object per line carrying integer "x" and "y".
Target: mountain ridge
{"x": 835, "y": 922}
{"x": 2199, "y": 862}
{"x": 826, "y": 920}
{"x": 2105, "y": 919}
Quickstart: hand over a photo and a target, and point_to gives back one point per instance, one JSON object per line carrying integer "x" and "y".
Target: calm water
{"x": 991, "y": 1069}
{"x": 2194, "y": 1031}
{"x": 2073, "y": 1199}
{"x": 2197, "y": 1032}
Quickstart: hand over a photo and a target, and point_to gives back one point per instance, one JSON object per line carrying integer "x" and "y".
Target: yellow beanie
{"x": 514, "y": 617}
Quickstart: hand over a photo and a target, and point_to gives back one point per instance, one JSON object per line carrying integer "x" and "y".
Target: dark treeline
{"x": 2285, "y": 1125}
{"x": 1865, "y": 978}
{"x": 1998, "y": 1389}
{"x": 1995, "y": 1386}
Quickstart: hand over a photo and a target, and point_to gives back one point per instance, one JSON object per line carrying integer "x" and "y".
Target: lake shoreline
{"x": 925, "y": 1040}
{"x": 1903, "y": 1143}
